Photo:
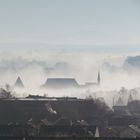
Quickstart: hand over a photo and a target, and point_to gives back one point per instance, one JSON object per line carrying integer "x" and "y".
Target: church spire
{"x": 98, "y": 78}
{"x": 130, "y": 99}
{"x": 19, "y": 83}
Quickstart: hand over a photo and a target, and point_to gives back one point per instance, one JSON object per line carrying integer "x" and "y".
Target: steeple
{"x": 130, "y": 98}
{"x": 19, "y": 83}
{"x": 98, "y": 78}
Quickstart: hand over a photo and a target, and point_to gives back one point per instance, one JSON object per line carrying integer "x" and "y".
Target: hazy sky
{"x": 86, "y": 22}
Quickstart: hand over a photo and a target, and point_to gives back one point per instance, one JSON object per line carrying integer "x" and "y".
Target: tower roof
{"x": 19, "y": 83}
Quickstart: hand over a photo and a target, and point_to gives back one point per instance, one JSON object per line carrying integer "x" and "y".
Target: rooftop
{"x": 61, "y": 83}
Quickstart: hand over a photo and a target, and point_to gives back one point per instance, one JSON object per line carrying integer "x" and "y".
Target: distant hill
{"x": 132, "y": 61}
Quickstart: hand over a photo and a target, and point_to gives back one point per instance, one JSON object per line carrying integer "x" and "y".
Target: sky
{"x": 70, "y": 22}
{"x": 87, "y": 35}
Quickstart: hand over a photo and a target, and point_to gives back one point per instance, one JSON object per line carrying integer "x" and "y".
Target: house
{"x": 122, "y": 121}
{"x": 121, "y": 110}
{"x": 68, "y": 131}
{"x": 16, "y": 130}
{"x": 130, "y": 132}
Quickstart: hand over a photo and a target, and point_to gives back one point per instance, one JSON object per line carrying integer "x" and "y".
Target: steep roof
{"x": 19, "y": 83}
{"x": 61, "y": 83}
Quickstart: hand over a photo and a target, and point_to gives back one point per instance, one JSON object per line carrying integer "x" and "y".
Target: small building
{"x": 121, "y": 110}
{"x": 123, "y": 121}
{"x": 68, "y": 131}
{"x": 16, "y": 130}
{"x": 130, "y": 132}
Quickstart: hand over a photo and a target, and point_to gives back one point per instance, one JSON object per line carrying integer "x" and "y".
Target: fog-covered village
{"x": 38, "y": 115}
{"x": 68, "y": 99}
{"x": 69, "y": 69}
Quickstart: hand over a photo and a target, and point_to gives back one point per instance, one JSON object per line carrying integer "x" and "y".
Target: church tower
{"x": 19, "y": 83}
{"x": 98, "y": 79}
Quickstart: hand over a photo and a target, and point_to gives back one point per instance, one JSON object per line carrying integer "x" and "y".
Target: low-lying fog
{"x": 35, "y": 66}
